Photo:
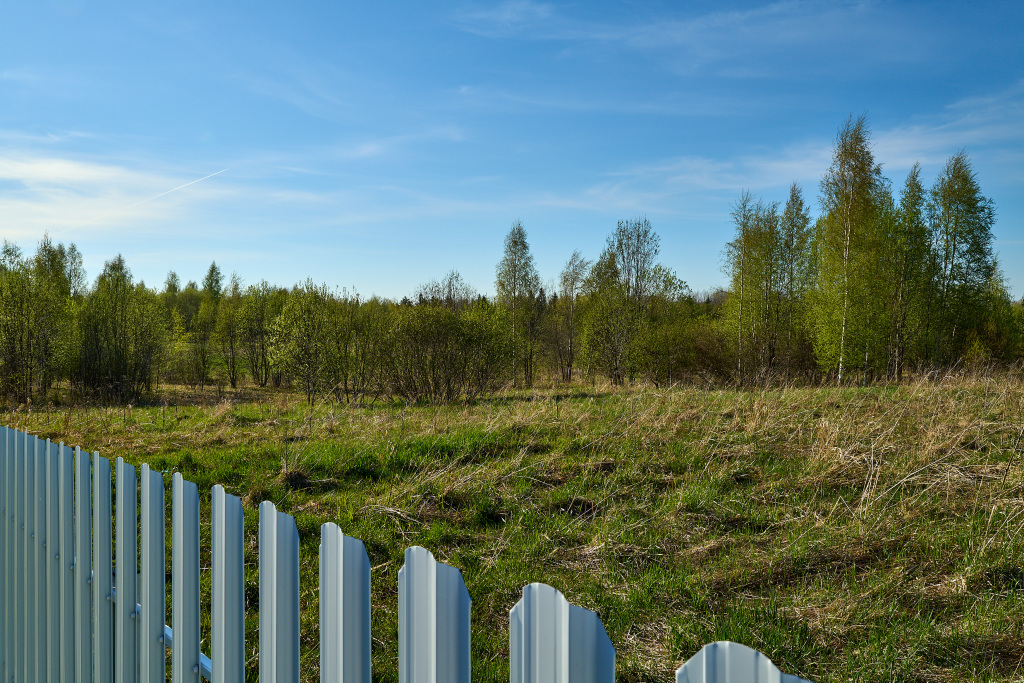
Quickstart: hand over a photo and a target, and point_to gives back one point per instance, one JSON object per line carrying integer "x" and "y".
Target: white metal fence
{"x": 77, "y": 605}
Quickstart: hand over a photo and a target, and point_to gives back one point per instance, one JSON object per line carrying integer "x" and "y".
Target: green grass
{"x": 849, "y": 534}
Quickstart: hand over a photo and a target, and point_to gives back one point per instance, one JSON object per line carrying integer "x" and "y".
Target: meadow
{"x": 850, "y": 534}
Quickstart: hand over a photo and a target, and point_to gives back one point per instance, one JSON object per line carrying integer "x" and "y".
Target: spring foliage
{"x": 875, "y": 285}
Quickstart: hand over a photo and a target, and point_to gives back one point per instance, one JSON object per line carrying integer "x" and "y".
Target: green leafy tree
{"x": 754, "y": 263}
{"x": 260, "y": 307}
{"x": 213, "y": 283}
{"x": 908, "y": 254}
{"x": 121, "y": 335}
{"x": 562, "y": 336}
{"x": 794, "y": 279}
{"x": 847, "y": 249}
{"x": 229, "y": 329}
{"x": 606, "y": 318}
{"x": 302, "y": 342}
{"x": 960, "y": 218}
{"x": 517, "y": 285}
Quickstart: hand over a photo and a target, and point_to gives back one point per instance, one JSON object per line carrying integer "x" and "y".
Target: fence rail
{"x": 78, "y": 605}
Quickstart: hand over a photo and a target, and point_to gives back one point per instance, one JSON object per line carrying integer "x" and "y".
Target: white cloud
{"x": 505, "y": 18}
{"x": 780, "y": 39}
{"x": 45, "y": 193}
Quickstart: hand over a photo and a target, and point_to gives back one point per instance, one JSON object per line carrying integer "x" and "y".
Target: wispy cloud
{"x": 506, "y": 18}
{"x": 390, "y": 144}
{"x": 989, "y": 125}
{"x": 780, "y": 39}
{"x": 44, "y": 193}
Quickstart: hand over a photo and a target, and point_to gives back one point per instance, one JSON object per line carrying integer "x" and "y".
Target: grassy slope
{"x": 849, "y": 534}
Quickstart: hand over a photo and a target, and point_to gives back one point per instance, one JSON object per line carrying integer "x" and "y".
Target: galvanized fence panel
{"x": 185, "y": 581}
{"x": 153, "y": 607}
{"x": 344, "y": 607}
{"x": 727, "y": 662}
{"x": 67, "y": 616}
{"x": 227, "y": 611}
{"x": 433, "y": 621}
{"x": 279, "y": 596}
{"x": 552, "y": 640}
{"x": 126, "y": 573}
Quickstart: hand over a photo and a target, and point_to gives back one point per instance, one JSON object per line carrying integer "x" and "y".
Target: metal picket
{"x": 28, "y": 602}
{"x": 51, "y": 557}
{"x": 279, "y": 596}
{"x": 727, "y": 662}
{"x": 102, "y": 582}
{"x": 344, "y": 607}
{"x": 153, "y": 608}
{"x": 433, "y": 621}
{"x": 552, "y": 640}
{"x": 227, "y": 611}
{"x": 66, "y": 557}
{"x": 5, "y": 600}
{"x": 126, "y": 571}
{"x": 185, "y": 577}
{"x": 83, "y": 567}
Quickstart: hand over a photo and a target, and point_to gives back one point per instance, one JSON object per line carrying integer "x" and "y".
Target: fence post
{"x": 66, "y": 552}
{"x": 126, "y": 571}
{"x": 551, "y": 640}
{"x": 51, "y": 556}
{"x": 727, "y": 662}
{"x": 227, "y": 611}
{"x": 344, "y": 607}
{"x": 433, "y": 621}
{"x": 152, "y": 655}
{"x": 279, "y": 596}
{"x": 185, "y": 581}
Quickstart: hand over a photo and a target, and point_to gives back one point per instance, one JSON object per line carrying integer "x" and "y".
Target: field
{"x": 848, "y": 533}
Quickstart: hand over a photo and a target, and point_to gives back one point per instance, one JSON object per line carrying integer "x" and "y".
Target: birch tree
{"x": 960, "y": 218}
{"x": 845, "y": 239}
{"x": 517, "y": 284}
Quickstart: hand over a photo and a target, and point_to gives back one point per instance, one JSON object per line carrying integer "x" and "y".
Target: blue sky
{"x": 379, "y": 145}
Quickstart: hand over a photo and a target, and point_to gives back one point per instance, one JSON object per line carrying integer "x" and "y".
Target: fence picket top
{"x": 728, "y": 662}
{"x": 433, "y": 621}
{"x": 345, "y": 647}
{"x": 550, "y": 639}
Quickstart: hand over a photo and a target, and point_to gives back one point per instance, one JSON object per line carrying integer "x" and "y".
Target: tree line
{"x": 872, "y": 287}
{"x": 877, "y": 283}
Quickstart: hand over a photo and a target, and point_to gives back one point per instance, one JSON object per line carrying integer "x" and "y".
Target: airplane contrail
{"x": 141, "y": 201}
